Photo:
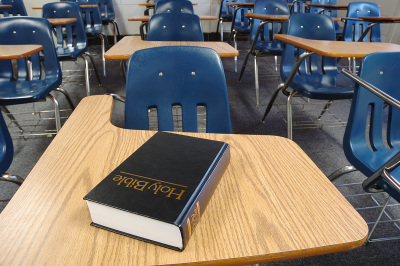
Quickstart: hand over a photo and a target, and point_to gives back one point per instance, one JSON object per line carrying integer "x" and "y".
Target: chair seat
{"x": 323, "y": 87}
{"x": 26, "y": 91}
{"x": 68, "y": 53}
{"x": 242, "y": 29}
{"x": 227, "y": 16}
{"x": 272, "y": 48}
{"x": 94, "y": 31}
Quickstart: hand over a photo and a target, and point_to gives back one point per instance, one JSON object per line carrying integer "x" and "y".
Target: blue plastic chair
{"x": 372, "y": 137}
{"x": 93, "y": 25}
{"x": 174, "y": 6}
{"x": 107, "y": 14}
{"x": 71, "y": 38}
{"x": 175, "y": 27}
{"x": 354, "y": 28}
{"x": 18, "y": 87}
{"x": 187, "y": 76}
{"x": 17, "y": 9}
{"x": 329, "y": 12}
{"x": 317, "y": 77}
{"x": 351, "y": 31}
{"x": 6, "y": 154}
{"x": 262, "y": 32}
{"x": 225, "y": 15}
{"x": 240, "y": 23}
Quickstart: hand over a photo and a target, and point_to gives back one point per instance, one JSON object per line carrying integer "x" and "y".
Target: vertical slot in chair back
{"x": 17, "y": 9}
{"x": 183, "y": 76}
{"x": 372, "y": 134}
{"x": 353, "y": 29}
{"x": 309, "y": 26}
{"x": 29, "y": 30}
{"x": 71, "y": 38}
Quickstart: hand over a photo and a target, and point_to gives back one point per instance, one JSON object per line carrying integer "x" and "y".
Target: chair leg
{"x": 257, "y": 87}
{"x": 344, "y": 170}
{"x": 276, "y": 63}
{"x": 96, "y": 72}
{"x": 66, "y": 94}
{"x": 115, "y": 27}
{"x": 235, "y": 43}
{"x": 271, "y": 102}
{"x": 290, "y": 115}
{"x": 377, "y": 221}
{"x": 56, "y": 112}
{"x": 11, "y": 117}
{"x": 324, "y": 110}
{"x": 87, "y": 82}
{"x": 221, "y": 28}
{"x": 123, "y": 69}
{"x": 12, "y": 178}
{"x": 103, "y": 51}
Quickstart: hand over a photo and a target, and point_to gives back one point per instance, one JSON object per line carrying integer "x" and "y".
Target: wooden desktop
{"x": 273, "y": 203}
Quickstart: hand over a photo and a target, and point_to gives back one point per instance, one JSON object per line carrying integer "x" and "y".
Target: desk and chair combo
{"x": 47, "y": 220}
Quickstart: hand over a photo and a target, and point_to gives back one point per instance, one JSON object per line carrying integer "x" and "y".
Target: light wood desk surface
{"x": 124, "y": 48}
{"x": 323, "y": 6}
{"x": 81, "y": 6}
{"x": 147, "y": 18}
{"x": 272, "y": 203}
{"x": 11, "y": 52}
{"x": 267, "y": 17}
{"x": 5, "y": 6}
{"x": 152, "y": 5}
{"x": 339, "y": 48}
{"x": 381, "y": 19}
{"x": 61, "y": 21}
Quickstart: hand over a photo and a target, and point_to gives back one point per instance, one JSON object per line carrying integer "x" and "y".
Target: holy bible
{"x": 159, "y": 193}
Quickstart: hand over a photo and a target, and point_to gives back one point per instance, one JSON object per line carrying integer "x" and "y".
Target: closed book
{"x": 159, "y": 193}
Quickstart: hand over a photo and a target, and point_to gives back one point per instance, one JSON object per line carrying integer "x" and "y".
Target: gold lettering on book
{"x": 193, "y": 219}
{"x": 159, "y": 186}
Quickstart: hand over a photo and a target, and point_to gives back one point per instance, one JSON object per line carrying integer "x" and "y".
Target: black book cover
{"x": 170, "y": 178}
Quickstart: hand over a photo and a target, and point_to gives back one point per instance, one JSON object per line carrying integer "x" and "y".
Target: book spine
{"x": 190, "y": 221}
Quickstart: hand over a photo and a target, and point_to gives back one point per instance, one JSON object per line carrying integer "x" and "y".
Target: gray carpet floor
{"x": 322, "y": 144}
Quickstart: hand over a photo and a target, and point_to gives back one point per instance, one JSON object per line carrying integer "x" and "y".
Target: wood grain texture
{"x": 124, "y": 48}
{"x": 11, "y": 52}
{"x": 267, "y": 17}
{"x": 338, "y": 7}
{"x": 147, "y": 18}
{"x": 272, "y": 203}
{"x": 339, "y": 48}
{"x": 382, "y": 19}
{"x": 61, "y": 21}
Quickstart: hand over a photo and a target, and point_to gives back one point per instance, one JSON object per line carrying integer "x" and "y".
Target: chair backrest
{"x": 353, "y": 29}
{"x": 309, "y": 26}
{"x": 71, "y": 38}
{"x": 298, "y": 6}
{"x": 175, "y": 27}
{"x": 269, "y": 7}
{"x": 372, "y": 134}
{"x": 241, "y": 22}
{"x": 107, "y": 12}
{"x": 91, "y": 16}
{"x": 223, "y": 9}
{"x": 31, "y": 30}
{"x": 6, "y": 147}
{"x": 174, "y": 6}
{"x": 329, "y": 12}
{"x": 17, "y": 9}
{"x": 184, "y": 76}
